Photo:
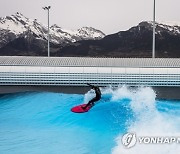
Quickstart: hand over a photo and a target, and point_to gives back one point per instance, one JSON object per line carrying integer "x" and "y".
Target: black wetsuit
{"x": 95, "y": 99}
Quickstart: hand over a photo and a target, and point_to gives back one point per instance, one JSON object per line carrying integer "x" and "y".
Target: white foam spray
{"x": 148, "y": 122}
{"x": 89, "y": 95}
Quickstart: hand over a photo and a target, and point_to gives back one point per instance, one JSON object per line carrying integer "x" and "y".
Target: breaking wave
{"x": 151, "y": 119}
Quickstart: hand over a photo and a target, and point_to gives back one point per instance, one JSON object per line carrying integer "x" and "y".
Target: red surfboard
{"x": 79, "y": 109}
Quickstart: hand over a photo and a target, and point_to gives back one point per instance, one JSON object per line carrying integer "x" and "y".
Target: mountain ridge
{"x": 28, "y": 37}
{"x": 135, "y": 42}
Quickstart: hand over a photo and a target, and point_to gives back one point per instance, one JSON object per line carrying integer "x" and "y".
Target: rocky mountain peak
{"x": 18, "y": 25}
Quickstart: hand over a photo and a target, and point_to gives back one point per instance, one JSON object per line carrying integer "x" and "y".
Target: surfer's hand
{"x": 89, "y": 85}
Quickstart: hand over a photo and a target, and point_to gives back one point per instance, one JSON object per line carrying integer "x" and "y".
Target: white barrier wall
{"x": 36, "y": 75}
{"x": 109, "y": 70}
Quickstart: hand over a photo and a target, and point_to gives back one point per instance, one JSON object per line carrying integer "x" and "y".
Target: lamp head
{"x": 46, "y": 7}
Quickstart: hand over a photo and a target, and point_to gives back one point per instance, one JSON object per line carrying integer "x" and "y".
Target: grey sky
{"x": 110, "y": 16}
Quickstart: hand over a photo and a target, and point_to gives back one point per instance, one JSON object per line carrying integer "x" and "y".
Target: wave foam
{"x": 148, "y": 122}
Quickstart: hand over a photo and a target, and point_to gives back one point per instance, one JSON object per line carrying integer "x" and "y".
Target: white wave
{"x": 122, "y": 92}
{"x": 149, "y": 122}
{"x": 89, "y": 95}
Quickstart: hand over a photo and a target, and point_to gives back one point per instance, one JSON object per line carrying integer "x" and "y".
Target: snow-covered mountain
{"x": 17, "y": 25}
{"x": 135, "y": 42}
{"x": 22, "y": 36}
{"x": 84, "y": 33}
{"x": 169, "y": 27}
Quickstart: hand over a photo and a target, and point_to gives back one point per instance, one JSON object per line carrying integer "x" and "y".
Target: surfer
{"x": 96, "y": 98}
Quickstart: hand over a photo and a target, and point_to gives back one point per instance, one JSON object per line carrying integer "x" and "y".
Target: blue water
{"x": 42, "y": 123}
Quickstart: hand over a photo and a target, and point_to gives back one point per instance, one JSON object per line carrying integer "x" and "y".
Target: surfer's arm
{"x": 90, "y": 85}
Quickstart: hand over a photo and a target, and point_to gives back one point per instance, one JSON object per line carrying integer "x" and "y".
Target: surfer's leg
{"x": 91, "y": 102}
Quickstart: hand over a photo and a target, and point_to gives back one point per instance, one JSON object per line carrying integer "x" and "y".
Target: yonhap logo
{"x": 129, "y": 140}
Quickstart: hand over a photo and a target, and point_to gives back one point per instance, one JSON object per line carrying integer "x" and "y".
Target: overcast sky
{"x": 110, "y": 16}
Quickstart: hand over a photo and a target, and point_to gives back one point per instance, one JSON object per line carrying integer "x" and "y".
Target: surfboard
{"x": 79, "y": 109}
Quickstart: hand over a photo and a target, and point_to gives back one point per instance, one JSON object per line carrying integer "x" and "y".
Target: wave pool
{"x": 42, "y": 123}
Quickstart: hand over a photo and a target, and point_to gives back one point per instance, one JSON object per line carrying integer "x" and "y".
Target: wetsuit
{"x": 95, "y": 99}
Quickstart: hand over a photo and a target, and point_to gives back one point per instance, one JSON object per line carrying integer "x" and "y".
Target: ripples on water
{"x": 41, "y": 123}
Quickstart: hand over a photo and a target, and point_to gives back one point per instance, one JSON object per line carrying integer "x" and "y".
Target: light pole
{"x": 48, "y": 8}
{"x": 153, "y": 43}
